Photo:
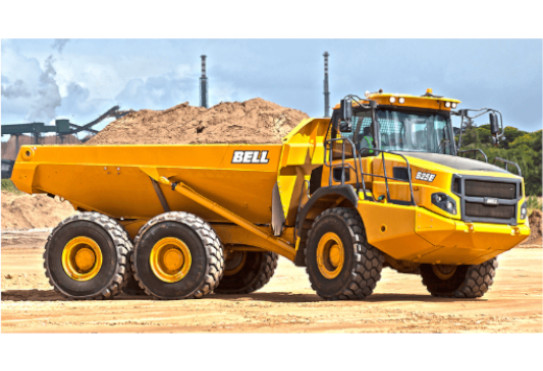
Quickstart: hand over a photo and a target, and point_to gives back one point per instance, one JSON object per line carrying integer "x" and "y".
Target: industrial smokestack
{"x": 203, "y": 84}
{"x": 326, "y": 91}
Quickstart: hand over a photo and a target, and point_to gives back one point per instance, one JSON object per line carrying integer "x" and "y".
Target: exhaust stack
{"x": 203, "y": 84}
{"x": 326, "y": 91}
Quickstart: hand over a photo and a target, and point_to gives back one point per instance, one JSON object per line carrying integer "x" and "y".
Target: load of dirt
{"x": 253, "y": 121}
{"x": 9, "y": 150}
{"x": 23, "y": 211}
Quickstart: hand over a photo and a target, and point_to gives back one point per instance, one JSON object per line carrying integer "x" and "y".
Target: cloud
{"x": 158, "y": 92}
{"x": 47, "y": 97}
{"x": 15, "y": 90}
{"x": 59, "y": 45}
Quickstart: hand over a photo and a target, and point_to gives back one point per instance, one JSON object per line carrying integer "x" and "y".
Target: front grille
{"x": 478, "y": 210}
{"x": 488, "y": 200}
{"x": 480, "y": 188}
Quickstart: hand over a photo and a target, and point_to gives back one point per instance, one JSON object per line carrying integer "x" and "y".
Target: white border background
{"x": 271, "y": 19}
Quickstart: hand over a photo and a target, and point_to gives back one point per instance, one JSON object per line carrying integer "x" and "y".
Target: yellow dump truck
{"x": 379, "y": 184}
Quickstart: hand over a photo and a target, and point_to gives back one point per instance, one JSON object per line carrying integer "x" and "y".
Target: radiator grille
{"x": 485, "y": 211}
{"x": 480, "y": 188}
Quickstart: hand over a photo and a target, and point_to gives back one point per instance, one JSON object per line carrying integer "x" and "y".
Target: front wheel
{"x": 463, "y": 281}
{"x": 340, "y": 263}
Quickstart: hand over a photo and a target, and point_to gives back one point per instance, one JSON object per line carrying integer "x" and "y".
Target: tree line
{"x": 516, "y": 145}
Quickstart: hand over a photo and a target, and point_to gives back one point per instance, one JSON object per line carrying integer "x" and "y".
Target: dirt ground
{"x": 287, "y": 304}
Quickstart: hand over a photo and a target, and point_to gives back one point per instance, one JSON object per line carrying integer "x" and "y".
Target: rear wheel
{"x": 86, "y": 257}
{"x": 247, "y": 271}
{"x": 131, "y": 286}
{"x": 463, "y": 281}
{"x": 340, "y": 263}
{"x": 177, "y": 255}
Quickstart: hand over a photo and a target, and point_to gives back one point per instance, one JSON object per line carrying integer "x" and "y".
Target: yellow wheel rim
{"x": 81, "y": 258}
{"x": 234, "y": 262}
{"x": 444, "y": 272}
{"x": 170, "y": 259}
{"x": 330, "y": 255}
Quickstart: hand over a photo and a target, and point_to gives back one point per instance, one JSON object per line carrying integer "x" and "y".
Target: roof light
{"x": 429, "y": 91}
{"x": 453, "y": 105}
{"x": 401, "y": 100}
{"x": 447, "y": 104}
{"x": 367, "y": 93}
{"x": 392, "y": 99}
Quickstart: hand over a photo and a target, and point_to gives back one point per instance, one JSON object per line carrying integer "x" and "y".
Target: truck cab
{"x": 422, "y": 207}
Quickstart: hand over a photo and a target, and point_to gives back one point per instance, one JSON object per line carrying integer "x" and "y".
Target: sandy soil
{"x": 287, "y": 304}
{"x": 23, "y": 211}
{"x": 253, "y": 121}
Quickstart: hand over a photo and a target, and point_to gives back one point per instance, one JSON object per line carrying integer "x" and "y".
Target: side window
{"x": 391, "y": 130}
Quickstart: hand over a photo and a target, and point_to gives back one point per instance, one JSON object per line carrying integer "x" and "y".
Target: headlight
{"x": 523, "y": 211}
{"x": 444, "y": 202}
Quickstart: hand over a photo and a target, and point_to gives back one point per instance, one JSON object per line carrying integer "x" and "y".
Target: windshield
{"x": 403, "y": 131}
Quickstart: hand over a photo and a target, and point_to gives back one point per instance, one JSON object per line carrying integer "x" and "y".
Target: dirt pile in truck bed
{"x": 23, "y": 211}
{"x": 253, "y": 121}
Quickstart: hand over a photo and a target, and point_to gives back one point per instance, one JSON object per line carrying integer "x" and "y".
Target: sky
{"x": 79, "y": 79}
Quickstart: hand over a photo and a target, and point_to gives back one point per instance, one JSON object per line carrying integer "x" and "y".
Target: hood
{"x": 456, "y": 162}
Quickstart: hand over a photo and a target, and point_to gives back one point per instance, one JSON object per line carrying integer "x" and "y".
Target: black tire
{"x": 131, "y": 286}
{"x": 206, "y": 253}
{"x": 252, "y": 272}
{"x": 467, "y": 281}
{"x": 362, "y": 263}
{"x": 114, "y": 245}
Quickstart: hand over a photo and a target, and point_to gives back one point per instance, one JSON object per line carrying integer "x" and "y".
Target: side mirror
{"x": 494, "y": 126}
{"x": 346, "y": 110}
{"x": 345, "y": 127}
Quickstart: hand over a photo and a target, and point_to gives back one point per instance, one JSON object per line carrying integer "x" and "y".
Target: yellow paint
{"x": 422, "y": 236}
{"x": 330, "y": 255}
{"x": 81, "y": 258}
{"x": 170, "y": 259}
{"x": 437, "y": 103}
{"x": 236, "y": 198}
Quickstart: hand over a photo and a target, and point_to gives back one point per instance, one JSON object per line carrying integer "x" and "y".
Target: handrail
{"x": 508, "y": 162}
{"x": 474, "y": 150}
{"x": 329, "y": 162}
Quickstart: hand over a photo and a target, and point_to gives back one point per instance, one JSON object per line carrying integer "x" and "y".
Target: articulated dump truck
{"x": 380, "y": 184}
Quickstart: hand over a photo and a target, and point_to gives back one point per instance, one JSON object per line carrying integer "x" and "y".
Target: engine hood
{"x": 456, "y": 162}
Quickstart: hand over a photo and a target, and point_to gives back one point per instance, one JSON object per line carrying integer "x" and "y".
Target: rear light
{"x": 392, "y": 99}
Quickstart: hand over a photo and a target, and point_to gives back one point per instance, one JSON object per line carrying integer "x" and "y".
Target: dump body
{"x": 112, "y": 179}
{"x": 233, "y": 183}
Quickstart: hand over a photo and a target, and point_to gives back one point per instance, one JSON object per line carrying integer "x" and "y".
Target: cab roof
{"x": 426, "y": 101}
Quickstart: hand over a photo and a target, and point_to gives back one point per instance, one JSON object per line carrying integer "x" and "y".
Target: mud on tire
{"x": 362, "y": 263}
{"x": 252, "y": 271}
{"x": 114, "y": 245}
{"x": 468, "y": 281}
{"x": 200, "y": 242}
